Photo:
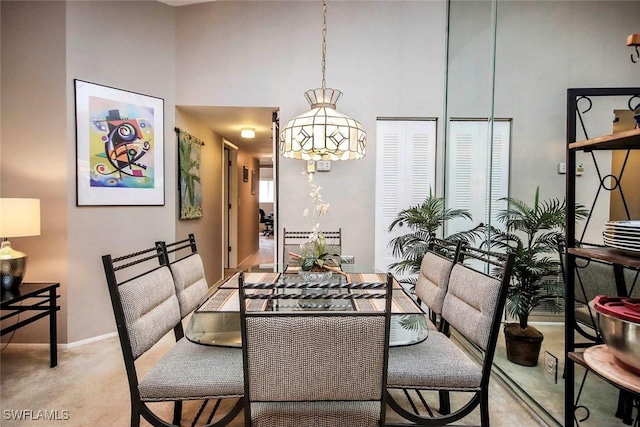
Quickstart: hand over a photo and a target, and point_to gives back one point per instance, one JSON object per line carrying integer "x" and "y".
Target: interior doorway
{"x": 229, "y": 206}
{"x": 249, "y": 137}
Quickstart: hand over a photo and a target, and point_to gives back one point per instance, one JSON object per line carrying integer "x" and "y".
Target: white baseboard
{"x": 62, "y": 346}
{"x": 88, "y": 340}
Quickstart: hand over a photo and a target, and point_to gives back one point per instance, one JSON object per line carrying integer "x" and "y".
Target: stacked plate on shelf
{"x": 623, "y": 235}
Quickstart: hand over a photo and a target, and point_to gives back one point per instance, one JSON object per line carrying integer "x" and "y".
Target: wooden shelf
{"x": 620, "y": 140}
{"x": 612, "y": 255}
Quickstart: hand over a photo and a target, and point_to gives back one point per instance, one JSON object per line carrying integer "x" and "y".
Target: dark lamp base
{"x": 12, "y": 272}
{"x": 10, "y": 283}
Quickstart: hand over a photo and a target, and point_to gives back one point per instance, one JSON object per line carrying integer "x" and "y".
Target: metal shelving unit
{"x": 628, "y": 140}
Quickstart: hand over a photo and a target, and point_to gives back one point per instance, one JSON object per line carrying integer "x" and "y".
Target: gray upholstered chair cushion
{"x": 470, "y": 303}
{"x": 304, "y": 358}
{"x": 585, "y": 315}
{"x": 150, "y": 308}
{"x": 433, "y": 278}
{"x": 191, "y": 284}
{"x": 194, "y": 371}
{"x": 316, "y": 414}
{"x": 436, "y": 364}
{"x": 597, "y": 278}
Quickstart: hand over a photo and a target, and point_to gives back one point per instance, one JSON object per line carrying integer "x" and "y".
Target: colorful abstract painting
{"x": 119, "y": 145}
{"x": 190, "y": 155}
{"x": 121, "y": 140}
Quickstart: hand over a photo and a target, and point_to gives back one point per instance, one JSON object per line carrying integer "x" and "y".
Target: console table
{"x": 39, "y": 300}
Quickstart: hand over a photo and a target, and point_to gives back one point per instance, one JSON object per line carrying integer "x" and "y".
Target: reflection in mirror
{"x": 478, "y": 172}
{"x": 517, "y": 60}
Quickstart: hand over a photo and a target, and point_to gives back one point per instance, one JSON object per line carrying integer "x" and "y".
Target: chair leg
{"x": 445, "y": 403}
{"x": 484, "y": 407}
{"x": 135, "y": 416}
{"x": 177, "y": 412}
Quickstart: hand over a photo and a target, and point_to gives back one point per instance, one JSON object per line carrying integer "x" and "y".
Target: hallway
{"x": 264, "y": 255}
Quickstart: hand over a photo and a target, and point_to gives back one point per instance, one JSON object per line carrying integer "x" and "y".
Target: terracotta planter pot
{"x": 523, "y": 345}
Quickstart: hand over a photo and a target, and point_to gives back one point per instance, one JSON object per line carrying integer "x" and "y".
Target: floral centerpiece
{"x": 315, "y": 257}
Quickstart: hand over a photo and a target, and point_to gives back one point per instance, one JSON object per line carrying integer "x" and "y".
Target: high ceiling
{"x": 228, "y": 121}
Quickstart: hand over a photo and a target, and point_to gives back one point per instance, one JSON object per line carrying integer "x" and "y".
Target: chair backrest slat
{"x": 190, "y": 282}
{"x": 470, "y": 303}
{"x": 475, "y": 300}
{"x": 150, "y": 308}
{"x": 188, "y": 273}
{"x": 433, "y": 280}
{"x": 314, "y": 358}
{"x": 143, "y": 298}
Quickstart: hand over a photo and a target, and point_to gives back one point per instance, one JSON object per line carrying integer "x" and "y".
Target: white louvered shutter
{"x": 405, "y": 173}
{"x": 477, "y": 173}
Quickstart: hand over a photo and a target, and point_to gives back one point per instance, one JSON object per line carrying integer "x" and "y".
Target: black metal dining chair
{"x": 291, "y": 241}
{"x": 146, "y": 308}
{"x": 314, "y": 367}
{"x": 473, "y": 306}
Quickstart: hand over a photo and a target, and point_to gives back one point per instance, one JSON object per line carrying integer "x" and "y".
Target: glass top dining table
{"x": 216, "y": 321}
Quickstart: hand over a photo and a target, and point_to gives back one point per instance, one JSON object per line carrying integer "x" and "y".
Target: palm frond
{"x": 532, "y": 233}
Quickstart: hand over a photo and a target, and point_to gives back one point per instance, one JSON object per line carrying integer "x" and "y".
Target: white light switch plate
{"x": 324, "y": 165}
{"x": 562, "y": 167}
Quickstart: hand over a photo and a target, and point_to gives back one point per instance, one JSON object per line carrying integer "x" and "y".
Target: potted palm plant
{"x": 424, "y": 220}
{"x": 531, "y": 233}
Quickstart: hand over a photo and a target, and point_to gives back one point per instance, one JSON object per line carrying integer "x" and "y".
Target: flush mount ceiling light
{"x": 248, "y": 133}
{"x": 323, "y": 133}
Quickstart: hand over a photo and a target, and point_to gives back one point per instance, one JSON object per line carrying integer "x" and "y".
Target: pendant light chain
{"x": 324, "y": 48}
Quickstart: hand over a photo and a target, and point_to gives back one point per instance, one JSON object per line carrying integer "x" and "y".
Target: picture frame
{"x": 253, "y": 181}
{"x": 245, "y": 174}
{"x": 119, "y": 147}
{"x": 189, "y": 182}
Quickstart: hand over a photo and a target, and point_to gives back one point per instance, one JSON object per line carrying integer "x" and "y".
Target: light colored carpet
{"x": 90, "y": 384}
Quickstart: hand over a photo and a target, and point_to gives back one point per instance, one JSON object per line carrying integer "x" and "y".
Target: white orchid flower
{"x": 323, "y": 208}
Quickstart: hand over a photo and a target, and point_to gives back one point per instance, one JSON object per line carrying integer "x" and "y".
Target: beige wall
{"x": 33, "y": 141}
{"x": 208, "y": 229}
{"x": 131, "y": 49}
{"x": 45, "y": 46}
{"x": 248, "y": 217}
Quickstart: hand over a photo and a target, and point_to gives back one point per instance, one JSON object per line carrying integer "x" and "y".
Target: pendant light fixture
{"x": 323, "y": 133}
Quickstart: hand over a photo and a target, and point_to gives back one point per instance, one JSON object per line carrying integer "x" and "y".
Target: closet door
{"x": 477, "y": 171}
{"x": 405, "y": 174}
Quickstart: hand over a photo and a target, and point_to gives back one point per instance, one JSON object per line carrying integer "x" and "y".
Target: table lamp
{"x": 18, "y": 218}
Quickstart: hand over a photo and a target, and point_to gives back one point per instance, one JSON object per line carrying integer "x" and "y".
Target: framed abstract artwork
{"x": 119, "y": 147}
{"x": 189, "y": 159}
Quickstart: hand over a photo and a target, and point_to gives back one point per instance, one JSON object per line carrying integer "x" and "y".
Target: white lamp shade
{"x": 323, "y": 133}
{"x": 19, "y": 217}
